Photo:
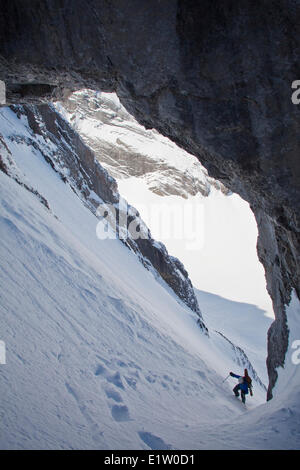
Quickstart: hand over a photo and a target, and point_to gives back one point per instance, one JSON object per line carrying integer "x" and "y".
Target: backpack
{"x": 249, "y": 381}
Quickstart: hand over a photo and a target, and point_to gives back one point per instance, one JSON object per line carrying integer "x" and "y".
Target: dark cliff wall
{"x": 214, "y": 76}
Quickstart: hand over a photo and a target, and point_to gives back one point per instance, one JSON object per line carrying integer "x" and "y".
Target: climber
{"x": 245, "y": 384}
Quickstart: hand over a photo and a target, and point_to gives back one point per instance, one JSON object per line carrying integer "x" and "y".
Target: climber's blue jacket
{"x": 243, "y": 386}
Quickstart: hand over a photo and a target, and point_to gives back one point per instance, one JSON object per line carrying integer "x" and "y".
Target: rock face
{"x": 48, "y": 133}
{"x": 213, "y": 76}
{"x": 126, "y": 149}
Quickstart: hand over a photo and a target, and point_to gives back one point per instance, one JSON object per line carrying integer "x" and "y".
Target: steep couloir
{"x": 215, "y": 77}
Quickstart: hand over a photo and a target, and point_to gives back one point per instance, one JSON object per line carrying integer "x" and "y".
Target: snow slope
{"x": 154, "y": 175}
{"x": 91, "y": 353}
{"x": 100, "y": 355}
{"x": 242, "y": 323}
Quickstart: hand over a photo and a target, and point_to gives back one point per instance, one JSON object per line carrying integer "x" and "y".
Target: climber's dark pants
{"x": 236, "y": 392}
